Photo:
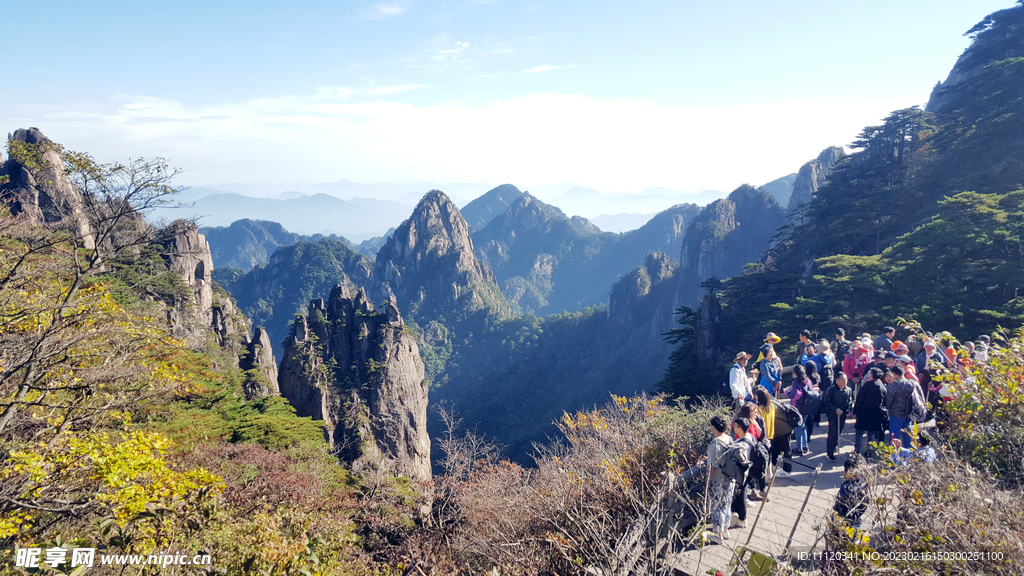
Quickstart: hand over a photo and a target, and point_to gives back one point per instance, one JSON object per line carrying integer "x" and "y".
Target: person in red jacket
{"x": 856, "y": 363}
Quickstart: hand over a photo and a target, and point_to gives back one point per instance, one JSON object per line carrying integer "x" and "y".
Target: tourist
{"x": 904, "y": 403}
{"x": 869, "y": 409}
{"x": 981, "y": 349}
{"x": 836, "y": 402}
{"x": 771, "y": 370}
{"x": 796, "y": 393}
{"x": 925, "y": 452}
{"x": 842, "y": 346}
{"x": 778, "y": 430}
{"x": 856, "y": 364}
{"x": 812, "y": 401}
{"x": 770, "y": 340}
{"x": 884, "y": 342}
{"x": 805, "y": 339}
{"x": 740, "y": 427}
{"x": 760, "y": 432}
{"x": 739, "y": 382}
{"x": 720, "y": 486}
{"x": 851, "y": 503}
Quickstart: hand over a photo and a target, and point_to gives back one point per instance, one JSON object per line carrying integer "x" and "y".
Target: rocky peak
{"x": 813, "y": 175}
{"x": 659, "y": 266}
{"x": 430, "y": 263}
{"x": 188, "y": 255}
{"x": 492, "y": 204}
{"x": 359, "y": 370}
{"x": 727, "y": 235}
{"x": 43, "y": 191}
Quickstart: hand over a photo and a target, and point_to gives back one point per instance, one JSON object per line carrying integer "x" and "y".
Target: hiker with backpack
{"x": 842, "y": 346}
{"x": 869, "y": 409}
{"x": 811, "y": 409}
{"x": 851, "y": 502}
{"x": 904, "y": 402}
{"x": 720, "y": 485}
{"x": 797, "y": 394}
{"x": 740, "y": 454}
{"x": 761, "y": 454}
{"x": 836, "y": 403}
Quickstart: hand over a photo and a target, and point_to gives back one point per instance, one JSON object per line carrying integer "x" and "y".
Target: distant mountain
{"x": 547, "y": 262}
{"x": 489, "y": 206}
{"x": 781, "y": 188}
{"x": 247, "y": 243}
{"x": 358, "y": 219}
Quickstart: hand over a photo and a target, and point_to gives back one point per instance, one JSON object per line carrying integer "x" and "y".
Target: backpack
{"x": 734, "y": 462}
{"x": 759, "y": 459}
{"x": 842, "y": 351}
{"x": 812, "y": 402}
{"x": 828, "y": 377}
{"x": 790, "y": 414}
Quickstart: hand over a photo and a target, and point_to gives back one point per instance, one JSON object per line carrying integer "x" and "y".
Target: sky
{"x": 617, "y": 96}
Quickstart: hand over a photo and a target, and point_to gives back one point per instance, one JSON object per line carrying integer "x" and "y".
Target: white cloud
{"x": 503, "y": 50}
{"x": 547, "y": 68}
{"x": 340, "y": 132}
{"x": 381, "y": 11}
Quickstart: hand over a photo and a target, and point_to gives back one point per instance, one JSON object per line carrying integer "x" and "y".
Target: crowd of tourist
{"x": 883, "y": 385}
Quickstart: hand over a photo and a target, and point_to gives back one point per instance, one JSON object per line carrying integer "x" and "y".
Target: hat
{"x": 889, "y": 355}
{"x": 897, "y": 344}
{"x": 901, "y": 349}
{"x": 765, "y": 348}
{"x": 905, "y": 359}
{"x": 866, "y": 342}
{"x": 741, "y": 356}
{"x": 824, "y": 345}
{"x": 929, "y": 344}
{"x": 771, "y": 338}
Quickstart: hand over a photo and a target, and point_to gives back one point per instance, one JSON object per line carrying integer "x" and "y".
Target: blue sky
{"x": 619, "y": 96}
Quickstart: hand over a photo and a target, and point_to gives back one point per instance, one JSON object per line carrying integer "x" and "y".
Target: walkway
{"x": 779, "y": 514}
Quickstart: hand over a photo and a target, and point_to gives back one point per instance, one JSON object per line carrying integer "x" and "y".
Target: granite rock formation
{"x": 43, "y": 192}
{"x": 259, "y": 367}
{"x": 359, "y": 370}
{"x": 726, "y": 236}
{"x": 430, "y": 263}
{"x": 813, "y": 175}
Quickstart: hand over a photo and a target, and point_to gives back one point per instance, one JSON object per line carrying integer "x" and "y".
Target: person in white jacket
{"x": 739, "y": 383}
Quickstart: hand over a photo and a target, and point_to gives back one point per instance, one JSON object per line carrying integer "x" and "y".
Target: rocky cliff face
{"x": 359, "y": 370}
{"x": 430, "y": 263}
{"x": 259, "y": 367}
{"x": 727, "y": 235}
{"x": 42, "y": 190}
{"x": 813, "y": 175}
{"x": 997, "y": 37}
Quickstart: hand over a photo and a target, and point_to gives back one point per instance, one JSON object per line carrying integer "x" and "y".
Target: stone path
{"x": 779, "y": 514}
